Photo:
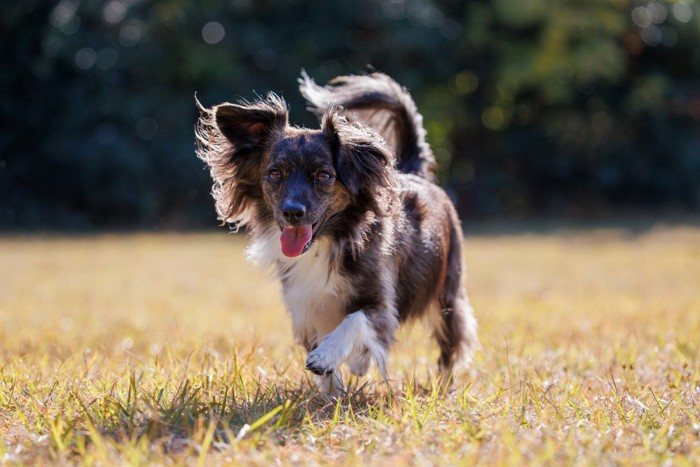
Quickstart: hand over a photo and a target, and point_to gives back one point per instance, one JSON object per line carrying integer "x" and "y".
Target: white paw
{"x": 326, "y": 358}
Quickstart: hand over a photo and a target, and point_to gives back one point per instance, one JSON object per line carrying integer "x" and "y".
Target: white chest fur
{"x": 314, "y": 292}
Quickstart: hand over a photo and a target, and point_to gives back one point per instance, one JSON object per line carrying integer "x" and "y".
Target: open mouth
{"x": 296, "y": 240}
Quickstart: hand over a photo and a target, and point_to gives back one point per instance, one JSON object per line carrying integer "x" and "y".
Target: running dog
{"x": 350, "y": 217}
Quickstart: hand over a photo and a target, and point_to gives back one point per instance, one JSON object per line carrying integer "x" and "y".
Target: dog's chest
{"x": 314, "y": 292}
{"x": 315, "y": 295}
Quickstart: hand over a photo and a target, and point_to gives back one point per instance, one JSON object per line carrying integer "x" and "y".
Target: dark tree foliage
{"x": 590, "y": 105}
{"x": 545, "y": 106}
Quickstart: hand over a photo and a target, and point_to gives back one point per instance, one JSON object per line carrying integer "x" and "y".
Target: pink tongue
{"x": 294, "y": 239}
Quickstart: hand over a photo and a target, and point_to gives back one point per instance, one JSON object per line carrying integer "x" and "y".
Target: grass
{"x": 163, "y": 349}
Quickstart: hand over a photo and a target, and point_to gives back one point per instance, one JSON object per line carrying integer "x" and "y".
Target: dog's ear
{"x": 364, "y": 163}
{"x": 232, "y": 140}
{"x": 249, "y": 126}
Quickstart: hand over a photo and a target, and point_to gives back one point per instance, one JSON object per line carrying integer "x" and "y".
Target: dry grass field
{"x": 171, "y": 349}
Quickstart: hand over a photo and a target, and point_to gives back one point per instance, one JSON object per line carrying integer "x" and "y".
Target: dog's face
{"x": 301, "y": 187}
{"x": 265, "y": 170}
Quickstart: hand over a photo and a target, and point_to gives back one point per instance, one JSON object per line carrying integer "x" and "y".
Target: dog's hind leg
{"x": 454, "y": 325}
{"x": 455, "y": 332}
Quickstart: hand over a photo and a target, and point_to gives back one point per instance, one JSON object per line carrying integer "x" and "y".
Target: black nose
{"x": 293, "y": 211}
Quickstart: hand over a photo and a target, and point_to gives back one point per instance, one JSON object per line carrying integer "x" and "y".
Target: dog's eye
{"x": 324, "y": 176}
{"x": 274, "y": 175}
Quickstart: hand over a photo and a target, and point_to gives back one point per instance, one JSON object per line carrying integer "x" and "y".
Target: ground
{"x": 165, "y": 348}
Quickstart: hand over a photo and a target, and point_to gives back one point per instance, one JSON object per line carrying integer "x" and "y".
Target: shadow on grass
{"x": 270, "y": 412}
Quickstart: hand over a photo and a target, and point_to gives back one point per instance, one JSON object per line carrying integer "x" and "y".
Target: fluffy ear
{"x": 248, "y": 126}
{"x": 231, "y": 140}
{"x": 364, "y": 163}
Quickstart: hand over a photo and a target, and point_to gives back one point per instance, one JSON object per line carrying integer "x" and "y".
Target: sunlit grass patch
{"x": 141, "y": 348}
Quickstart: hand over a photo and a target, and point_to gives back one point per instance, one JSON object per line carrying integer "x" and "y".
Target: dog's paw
{"x": 319, "y": 363}
{"x": 329, "y": 355}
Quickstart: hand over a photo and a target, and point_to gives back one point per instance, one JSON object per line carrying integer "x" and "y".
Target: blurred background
{"x": 570, "y": 108}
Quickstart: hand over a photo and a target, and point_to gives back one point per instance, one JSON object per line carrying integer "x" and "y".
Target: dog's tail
{"x": 379, "y": 102}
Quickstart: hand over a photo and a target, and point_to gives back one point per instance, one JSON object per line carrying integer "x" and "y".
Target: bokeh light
{"x": 131, "y": 32}
{"x": 63, "y": 13}
{"x": 114, "y": 11}
{"x": 682, "y": 12}
{"x": 85, "y": 58}
{"x": 213, "y": 32}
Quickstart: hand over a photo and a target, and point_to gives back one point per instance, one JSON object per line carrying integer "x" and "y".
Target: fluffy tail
{"x": 379, "y": 102}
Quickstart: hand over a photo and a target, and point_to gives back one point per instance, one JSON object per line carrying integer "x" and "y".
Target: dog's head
{"x": 266, "y": 171}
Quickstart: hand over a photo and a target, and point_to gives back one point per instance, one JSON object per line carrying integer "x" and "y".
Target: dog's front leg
{"x": 355, "y": 334}
{"x": 331, "y": 385}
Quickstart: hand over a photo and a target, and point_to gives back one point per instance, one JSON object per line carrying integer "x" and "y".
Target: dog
{"x": 349, "y": 216}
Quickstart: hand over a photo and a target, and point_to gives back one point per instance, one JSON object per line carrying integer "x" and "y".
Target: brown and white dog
{"x": 361, "y": 237}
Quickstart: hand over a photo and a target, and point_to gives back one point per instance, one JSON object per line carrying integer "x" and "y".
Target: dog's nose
{"x": 293, "y": 211}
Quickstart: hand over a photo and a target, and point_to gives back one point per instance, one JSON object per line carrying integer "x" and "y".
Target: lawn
{"x": 165, "y": 348}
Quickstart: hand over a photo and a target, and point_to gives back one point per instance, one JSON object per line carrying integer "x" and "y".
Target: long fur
{"x": 234, "y": 168}
{"x": 383, "y": 242}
